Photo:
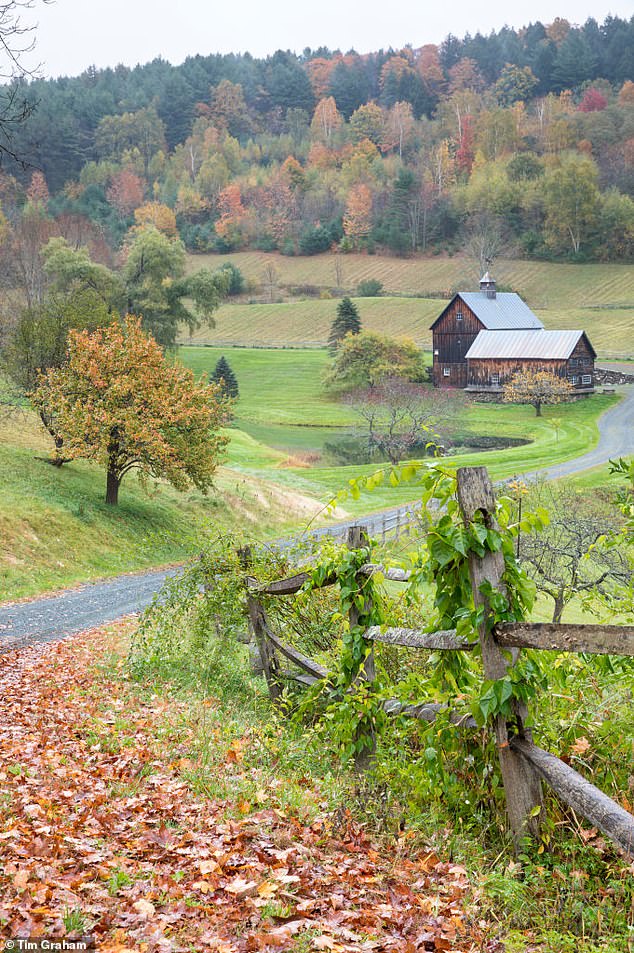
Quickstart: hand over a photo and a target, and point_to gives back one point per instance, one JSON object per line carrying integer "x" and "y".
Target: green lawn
{"x": 56, "y": 530}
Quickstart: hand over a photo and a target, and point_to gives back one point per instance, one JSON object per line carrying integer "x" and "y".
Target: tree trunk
{"x": 558, "y": 610}
{"x": 538, "y": 409}
{"x": 113, "y": 482}
{"x": 59, "y": 459}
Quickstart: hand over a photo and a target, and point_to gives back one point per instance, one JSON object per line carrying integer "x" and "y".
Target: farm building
{"x": 482, "y": 339}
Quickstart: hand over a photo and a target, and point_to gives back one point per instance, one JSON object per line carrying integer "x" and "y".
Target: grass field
{"x": 281, "y": 414}
{"x": 541, "y": 284}
{"x": 56, "y": 530}
{"x": 307, "y": 323}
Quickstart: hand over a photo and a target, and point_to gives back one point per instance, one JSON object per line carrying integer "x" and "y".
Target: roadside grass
{"x": 307, "y": 323}
{"x": 542, "y": 284}
{"x": 56, "y": 529}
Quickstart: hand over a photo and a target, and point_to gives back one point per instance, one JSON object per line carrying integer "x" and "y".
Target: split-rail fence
{"x": 523, "y": 764}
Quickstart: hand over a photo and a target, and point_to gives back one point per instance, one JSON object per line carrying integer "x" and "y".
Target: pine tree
{"x": 223, "y": 375}
{"x": 346, "y": 322}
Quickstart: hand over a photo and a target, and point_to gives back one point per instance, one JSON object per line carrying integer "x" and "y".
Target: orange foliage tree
{"x": 119, "y": 402}
{"x": 357, "y": 220}
{"x": 159, "y": 215}
{"x": 37, "y": 192}
{"x": 126, "y": 191}
{"x": 232, "y": 214}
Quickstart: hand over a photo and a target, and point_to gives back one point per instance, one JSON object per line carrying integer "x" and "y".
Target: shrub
{"x": 370, "y": 288}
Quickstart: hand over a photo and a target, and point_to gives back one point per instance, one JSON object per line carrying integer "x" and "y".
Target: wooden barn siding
{"x": 585, "y": 363}
{"x": 452, "y": 339}
{"x": 481, "y": 369}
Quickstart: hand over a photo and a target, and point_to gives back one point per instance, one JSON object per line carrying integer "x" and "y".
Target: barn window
{"x": 586, "y": 379}
{"x": 458, "y": 315}
{"x": 495, "y": 379}
{"x": 574, "y": 379}
{"x": 573, "y": 361}
{"x": 446, "y": 372}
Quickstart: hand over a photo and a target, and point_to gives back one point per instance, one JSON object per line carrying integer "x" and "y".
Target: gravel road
{"x": 616, "y": 439}
{"x": 88, "y": 606}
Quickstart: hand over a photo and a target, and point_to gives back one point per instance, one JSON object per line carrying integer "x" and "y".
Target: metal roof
{"x": 503, "y": 312}
{"x": 548, "y": 345}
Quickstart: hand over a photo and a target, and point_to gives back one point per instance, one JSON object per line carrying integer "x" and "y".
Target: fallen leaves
{"x": 100, "y": 833}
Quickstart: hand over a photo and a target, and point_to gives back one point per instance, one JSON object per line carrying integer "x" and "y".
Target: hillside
{"x": 598, "y": 298}
{"x": 56, "y": 529}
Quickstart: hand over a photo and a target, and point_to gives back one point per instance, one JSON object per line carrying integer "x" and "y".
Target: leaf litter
{"x": 100, "y": 834}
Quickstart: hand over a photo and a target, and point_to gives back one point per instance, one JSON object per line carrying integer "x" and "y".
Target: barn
{"x": 481, "y": 339}
{"x": 495, "y": 356}
{"x": 466, "y": 315}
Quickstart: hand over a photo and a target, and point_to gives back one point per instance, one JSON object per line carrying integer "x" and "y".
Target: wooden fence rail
{"x": 523, "y": 765}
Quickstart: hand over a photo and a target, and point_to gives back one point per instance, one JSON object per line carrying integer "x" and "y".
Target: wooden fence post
{"x": 257, "y": 621}
{"x": 522, "y": 785}
{"x": 357, "y": 538}
{"x": 257, "y": 625}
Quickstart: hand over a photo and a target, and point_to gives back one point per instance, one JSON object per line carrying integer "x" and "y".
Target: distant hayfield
{"x": 307, "y": 323}
{"x": 543, "y": 285}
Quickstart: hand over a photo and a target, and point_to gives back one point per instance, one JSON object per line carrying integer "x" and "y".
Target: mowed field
{"x": 307, "y": 323}
{"x": 541, "y": 284}
{"x": 283, "y": 407}
{"x": 597, "y": 298}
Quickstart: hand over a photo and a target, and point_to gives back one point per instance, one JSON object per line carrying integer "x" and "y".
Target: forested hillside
{"x": 517, "y": 143}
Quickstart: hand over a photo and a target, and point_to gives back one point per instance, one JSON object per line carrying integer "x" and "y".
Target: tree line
{"x": 519, "y": 141}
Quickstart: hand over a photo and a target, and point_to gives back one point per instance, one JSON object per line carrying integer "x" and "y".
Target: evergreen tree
{"x": 346, "y": 322}
{"x": 223, "y": 375}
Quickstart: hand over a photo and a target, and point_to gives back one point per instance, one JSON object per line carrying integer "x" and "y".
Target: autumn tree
{"x": 326, "y": 119}
{"x": 126, "y": 191}
{"x": 537, "y": 388}
{"x": 366, "y": 359}
{"x": 159, "y": 215}
{"x": 357, "y": 220}
{"x": 232, "y": 215}
{"x": 347, "y": 321}
{"x": 224, "y": 376}
{"x": 119, "y": 402}
{"x": 398, "y": 128}
{"x": 229, "y": 110}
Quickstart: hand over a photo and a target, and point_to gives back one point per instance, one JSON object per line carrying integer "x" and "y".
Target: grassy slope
{"x": 56, "y": 529}
{"x": 542, "y": 284}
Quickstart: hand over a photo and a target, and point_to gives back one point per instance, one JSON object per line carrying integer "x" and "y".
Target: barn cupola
{"x": 487, "y": 285}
